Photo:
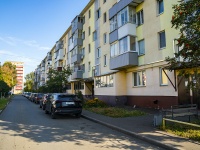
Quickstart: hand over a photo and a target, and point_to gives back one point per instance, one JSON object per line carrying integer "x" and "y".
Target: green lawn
{"x": 115, "y": 112}
{"x": 185, "y": 130}
{"x": 3, "y": 103}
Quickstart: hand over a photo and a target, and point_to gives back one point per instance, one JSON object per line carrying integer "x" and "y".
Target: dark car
{"x": 44, "y": 100}
{"x": 63, "y": 104}
{"x": 37, "y": 97}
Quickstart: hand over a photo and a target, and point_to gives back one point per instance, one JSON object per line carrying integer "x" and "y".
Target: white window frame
{"x": 140, "y": 78}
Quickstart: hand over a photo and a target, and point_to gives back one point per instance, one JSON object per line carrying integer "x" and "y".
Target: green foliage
{"x": 4, "y": 88}
{"x": 94, "y": 103}
{"x": 8, "y": 74}
{"x": 29, "y": 84}
{"x": 186, "y": 18}
{"x": 116, "y": 112}
{"x": 80, "y": 95}
{"x": 57, "y": 80}
{"x": 184, "y": 130}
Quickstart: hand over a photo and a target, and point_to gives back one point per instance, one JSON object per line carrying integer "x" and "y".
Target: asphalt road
{"x": 24, "y": 126}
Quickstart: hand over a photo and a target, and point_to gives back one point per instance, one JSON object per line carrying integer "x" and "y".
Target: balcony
{"x": 59, "y": 45}
{"x": 76, "y": 42}
{"x": 76, "y": 58}
{"x": 125, "y": 60}
{"x": 77, "y": 74}
{"x": 77, "y": 23}
{"x": 49, "y": 57}
{"x": 59, "y": 55}
{"x": 122, "y": 4}
{"x": 127, "y": 29}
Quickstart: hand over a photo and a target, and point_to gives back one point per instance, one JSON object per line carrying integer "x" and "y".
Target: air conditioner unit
{"x": 82, "y": 56}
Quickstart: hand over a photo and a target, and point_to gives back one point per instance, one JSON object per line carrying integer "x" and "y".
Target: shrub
{"x": 94, "y": 103}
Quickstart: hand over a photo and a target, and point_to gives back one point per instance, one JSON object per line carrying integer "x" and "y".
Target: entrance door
{"x": 183, "y": 91}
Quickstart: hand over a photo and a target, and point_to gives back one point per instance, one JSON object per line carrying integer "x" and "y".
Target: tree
{"x": 29, "y": 84}
{"x": 4, "y": 88}
{"x": 9, "y": 74}
{"x": 186, "y": 18}
{"x": 57, "y": 80}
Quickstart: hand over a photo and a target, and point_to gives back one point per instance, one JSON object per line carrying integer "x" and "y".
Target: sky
{"x": 30, "y": 28}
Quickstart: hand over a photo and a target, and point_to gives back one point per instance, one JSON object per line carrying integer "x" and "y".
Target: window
{"x": 89, "y": 66}
{"x": 132, "y": 44}
{"x": 104, "y": 1}
{"x": 104, "y": 38}
{"x": 104, "y": 17}
{"x": 123, "y": 47}
{"x": 163, "y": 77}
{"x": 114, "y": 50}
{"x": 78, "y": 86}
{"x": 160, "y": 6}
{"x": 105, "y": 61}
{"x": 94, "y": 35}
{"x": 83, "y": 19}
{"x": 89, "y": 48}
{"x": 89, "y": 13}
{"x": 83, "y": 67}
{"x": 140, "y": 19}
{"x": 98, "y": 52}
{"x": 113, "y": 23}
{"x": 83, "y": 51}
{"x": 162, "y": 39}
{"x": 122, "y": 17}
{"x": 104, "y": 81}
{"x": 89, "y": 31}
{"x": 139, "y": 78}
{"x": 98, "y": 13}
{"x": 83, "y": 35}
{"x": 141, "y": 47}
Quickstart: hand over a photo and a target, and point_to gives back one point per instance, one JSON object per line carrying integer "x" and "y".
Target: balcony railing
{"x": 77, "y": 74}
{"x": 125, "y": 60}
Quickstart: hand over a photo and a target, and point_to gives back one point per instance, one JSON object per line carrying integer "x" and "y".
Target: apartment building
{"x": 117, "y": 49}
{"x": 18, "y": 88}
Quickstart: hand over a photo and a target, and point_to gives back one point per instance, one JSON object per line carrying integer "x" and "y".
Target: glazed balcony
{"x": 122, "y": 4}
{"x": 77, "y": 23}
{"x": 125, "y": 60}
{"x": 76, "y": 58}
{"x": 77, "y": 74}
{"x": 59, "y": 45}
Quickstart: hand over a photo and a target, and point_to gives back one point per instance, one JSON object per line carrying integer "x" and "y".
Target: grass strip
{"x": 116, "y": 112}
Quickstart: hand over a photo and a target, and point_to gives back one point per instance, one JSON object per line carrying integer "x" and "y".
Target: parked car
{"x": 44, "y": 100}
{"x": 37, "y": 97}
{"x": 61, "y": 103}
{"x": 32, "y": 96}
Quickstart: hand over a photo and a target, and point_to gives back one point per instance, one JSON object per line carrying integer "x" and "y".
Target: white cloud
{"x": 13, "y": 41}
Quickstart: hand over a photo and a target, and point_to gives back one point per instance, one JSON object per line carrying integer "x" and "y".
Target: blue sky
{"x": 30, "y": 28}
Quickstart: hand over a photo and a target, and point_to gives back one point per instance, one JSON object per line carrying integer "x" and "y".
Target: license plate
{"x": 67, "y": 103}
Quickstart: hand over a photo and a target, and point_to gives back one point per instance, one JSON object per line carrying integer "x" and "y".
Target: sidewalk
{"x": 142, "y": 128}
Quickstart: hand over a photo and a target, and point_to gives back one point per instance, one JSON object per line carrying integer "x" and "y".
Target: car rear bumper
{"x": 68, "y": 111}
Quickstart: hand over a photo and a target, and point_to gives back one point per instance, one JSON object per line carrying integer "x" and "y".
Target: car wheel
{"x": 78, "y": 115}
{"x": 46, "y": 111}
{"x": 43, "y": 107}
{"x": 53, "y": 115}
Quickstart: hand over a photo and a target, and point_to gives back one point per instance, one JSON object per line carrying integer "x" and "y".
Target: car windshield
{"x": 66, "y": 97}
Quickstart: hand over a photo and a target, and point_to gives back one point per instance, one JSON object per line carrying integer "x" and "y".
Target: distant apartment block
{"x": 18, "y": 88}
{"x": 116, "y": 50}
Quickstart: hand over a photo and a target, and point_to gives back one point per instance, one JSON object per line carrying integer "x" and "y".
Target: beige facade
{"x": 17, "y": 89}
{"x": 117, "y": 49}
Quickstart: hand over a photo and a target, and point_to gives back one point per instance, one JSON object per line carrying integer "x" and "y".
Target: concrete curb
{"x": 133, "y": 134}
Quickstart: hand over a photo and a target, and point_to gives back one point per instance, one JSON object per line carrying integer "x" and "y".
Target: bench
{"x": 181, "y": 111}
